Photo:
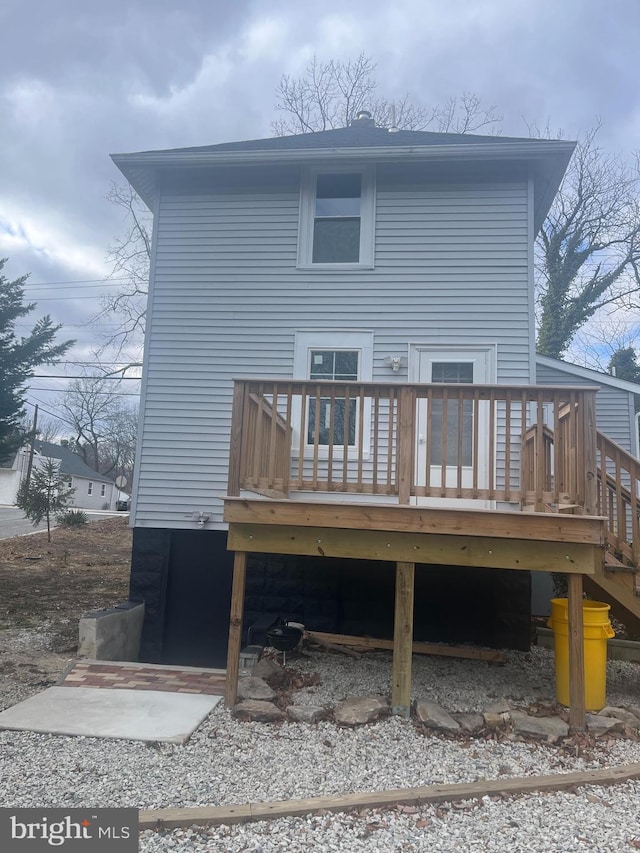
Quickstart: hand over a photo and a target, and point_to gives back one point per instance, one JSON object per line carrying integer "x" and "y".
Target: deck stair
{"x": 619, "y": 502}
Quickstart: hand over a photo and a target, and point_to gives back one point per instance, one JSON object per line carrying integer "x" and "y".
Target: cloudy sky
{"x": 81, "y": 79}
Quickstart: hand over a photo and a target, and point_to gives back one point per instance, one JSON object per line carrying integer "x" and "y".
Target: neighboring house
{"x": 371, "y": 292}
{"x": 11, "y": 474}
{"x": 615, "y": 401}
{"x": 92, "y": 490}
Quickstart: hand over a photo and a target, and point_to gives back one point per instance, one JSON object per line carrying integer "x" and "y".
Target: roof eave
{"x": 141, "y": 168}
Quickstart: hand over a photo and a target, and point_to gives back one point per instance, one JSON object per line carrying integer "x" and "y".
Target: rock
{"x": 551, "y": 728}
{"x": 306, "y": 713}
{"x": 496, "y": 719}
{"x": 469, "y": 722}
{"x": 357, "y": 710}
{"x": 622, "y": 714}
{"x": 435, "y": 717}
{"x": 257, "y": 711}
{"x": 265, "y": 668}
{"x": 603, "y": 725}
{"x": 254, "y": 688}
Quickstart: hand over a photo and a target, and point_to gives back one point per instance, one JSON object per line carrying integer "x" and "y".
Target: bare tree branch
{"x": 588, "y": 251}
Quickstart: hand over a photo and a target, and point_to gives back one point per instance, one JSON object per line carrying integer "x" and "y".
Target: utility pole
{"x": 32, "y": 447}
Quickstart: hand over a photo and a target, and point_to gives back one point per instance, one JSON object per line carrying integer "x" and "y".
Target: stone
{"x": 258, "y": 711}
{"x": 357, "y": 710}
{"x": 603, "y": 725}
{"x": 434, "y": 717}
{"x": 469, "y": 722}
{"x": 496, "y": 719}
{"x": 265, "y": 668}
{"x": 623, "y": 714}
{"x": 551, "y": 728}
{"x": 255, "y": 688}
{"x": 306, "y": 713}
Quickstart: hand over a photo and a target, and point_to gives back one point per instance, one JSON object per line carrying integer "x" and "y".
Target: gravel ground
{"x": 231, "y": 762}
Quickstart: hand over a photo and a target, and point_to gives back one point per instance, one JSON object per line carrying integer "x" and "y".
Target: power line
{"x": 71, "y": 391}
{"x": 72, "y": 281}
{"x": 92, "y": 378}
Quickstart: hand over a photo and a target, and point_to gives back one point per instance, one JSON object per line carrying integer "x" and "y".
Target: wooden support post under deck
{"x": 403, "y": 639}
{"x": 576, "y": 655}
{"x": 235, "y": 627}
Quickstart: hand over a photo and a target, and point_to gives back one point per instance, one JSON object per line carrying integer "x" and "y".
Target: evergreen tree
{"x": 18, "y": 358}
{"x": 43, "y": 494}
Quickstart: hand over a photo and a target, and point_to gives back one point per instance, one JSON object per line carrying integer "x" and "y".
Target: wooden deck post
{"x": 406, "y": 439}
{"x": 577, "y": 720}
{"x": 403, "y": 639}
{"x": 590, "y": 463}
{"x": 235, "y": 627}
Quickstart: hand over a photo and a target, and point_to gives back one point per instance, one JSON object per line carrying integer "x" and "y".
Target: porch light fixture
{"x": 394, "y": 362}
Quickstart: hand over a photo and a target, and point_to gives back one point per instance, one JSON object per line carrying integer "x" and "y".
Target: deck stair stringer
{"x": 617, "y": 585}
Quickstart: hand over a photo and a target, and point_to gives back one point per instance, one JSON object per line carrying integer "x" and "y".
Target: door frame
{"x": 454, "y": 352}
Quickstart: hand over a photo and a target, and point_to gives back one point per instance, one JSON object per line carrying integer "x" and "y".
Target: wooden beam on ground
{"x": 235, "y": 627}
{"x": 577, "y": 719}
{"x": 417, "y": 648}
{"x": 411, "y": 547}
{"x": 403, "y": 639}
{"x": 333, "y": 647}
{"x": 425, "y": 795}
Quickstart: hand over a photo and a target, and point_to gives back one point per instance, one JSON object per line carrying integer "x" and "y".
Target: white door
{"x": 453, "y": 366}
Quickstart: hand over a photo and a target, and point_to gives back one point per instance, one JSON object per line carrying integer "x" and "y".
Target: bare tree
{"x": 588, "y": 250}
{"x": 104, "y": 426}
{"x": 330, "y": 95}
{"x": 129, "y": 255}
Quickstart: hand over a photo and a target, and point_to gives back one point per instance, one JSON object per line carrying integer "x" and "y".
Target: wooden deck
{"x": 337, "y": 469}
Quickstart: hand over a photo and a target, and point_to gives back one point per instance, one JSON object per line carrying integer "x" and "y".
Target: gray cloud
{"x": 79, "y": 80}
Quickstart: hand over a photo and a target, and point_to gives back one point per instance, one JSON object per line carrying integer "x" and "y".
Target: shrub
{"x": 72, "y": 518}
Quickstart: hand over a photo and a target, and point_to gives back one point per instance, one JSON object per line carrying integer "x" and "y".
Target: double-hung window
{"x": 333, "y": 416}
{"x": 337, "y": 218}
{"x": 331, "y": 419}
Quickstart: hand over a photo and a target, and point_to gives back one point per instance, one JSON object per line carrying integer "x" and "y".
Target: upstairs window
{"x": 336, "y": 219}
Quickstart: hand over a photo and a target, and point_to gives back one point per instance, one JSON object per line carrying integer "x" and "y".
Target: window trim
{"x": 103, "y": 490}
{"x": 307, "y": 217}
{"x": 90, "y": 487}
{"x": 335, "y": 340}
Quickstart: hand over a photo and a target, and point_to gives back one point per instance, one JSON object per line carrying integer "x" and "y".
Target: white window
{"x": 337, "y": 218}
{"x": 329, "y": 355}
{"x": 90, "y": 488}
{"x": 103, "y": 490}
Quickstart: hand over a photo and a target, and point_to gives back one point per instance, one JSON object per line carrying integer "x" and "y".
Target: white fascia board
{"x": 471, "y": 151}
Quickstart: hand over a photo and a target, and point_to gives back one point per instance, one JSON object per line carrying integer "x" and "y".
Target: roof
{"x": 70, "y": 463}
{"x": 363, "y": 142}
{"x": 360, "y": 134}
{"x": 587, "y": 373}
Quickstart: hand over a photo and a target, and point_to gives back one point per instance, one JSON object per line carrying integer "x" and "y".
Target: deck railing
{"x": 414, "y": 441}
{"x": 618, "y": 498}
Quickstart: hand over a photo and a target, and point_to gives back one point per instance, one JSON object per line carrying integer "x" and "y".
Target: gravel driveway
{"x": 231, "y": 762}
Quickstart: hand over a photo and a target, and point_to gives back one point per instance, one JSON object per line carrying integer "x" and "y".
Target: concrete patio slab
{"x": 151, "y": 715}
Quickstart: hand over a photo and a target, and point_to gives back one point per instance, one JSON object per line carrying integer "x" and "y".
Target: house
{"x": 92, "y": 490}
{"x": 341, "y": 406}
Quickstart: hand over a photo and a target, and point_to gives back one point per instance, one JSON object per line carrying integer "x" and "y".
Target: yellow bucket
{"x": 597, "y": 630}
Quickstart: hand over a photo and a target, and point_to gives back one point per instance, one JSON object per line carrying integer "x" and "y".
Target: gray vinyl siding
{"x": 451, "y": 267}
{"x": 614, "y": 406}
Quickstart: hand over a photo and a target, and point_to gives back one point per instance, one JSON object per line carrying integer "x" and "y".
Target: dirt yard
{"x": 45, "y": 588}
